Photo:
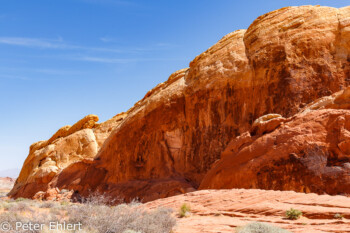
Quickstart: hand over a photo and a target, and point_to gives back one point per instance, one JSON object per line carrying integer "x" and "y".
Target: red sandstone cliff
{"x": 169, "y": 140}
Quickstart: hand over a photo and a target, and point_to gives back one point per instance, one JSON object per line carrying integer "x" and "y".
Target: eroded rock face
{"x": 174, "y": 135}
{"x": 308, "y": 153}
{"x": 69, "y": 145}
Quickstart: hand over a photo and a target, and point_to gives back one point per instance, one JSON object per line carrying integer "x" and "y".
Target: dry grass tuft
{"x": 258, "y": 227}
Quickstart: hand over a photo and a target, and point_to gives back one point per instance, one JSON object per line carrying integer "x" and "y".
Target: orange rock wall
{"x": 283, "y": 61}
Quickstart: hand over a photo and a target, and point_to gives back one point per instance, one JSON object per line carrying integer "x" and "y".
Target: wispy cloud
{"x": 112, "y": 2}
{"x": 107, "y": 60}
{"x": 50, "y": 44}
{"x": 167, "y": 45}
{"x": 105, "y": 55}
{"x": 35, "y": 71}
{"x": 60, "y": 44}
{"x": 5, "y": 76}
{"x": 57, "y": 72}
{"x": 107, "y": 39}
{"x": 121, "y": 60}
{"x": 33, "y": 42}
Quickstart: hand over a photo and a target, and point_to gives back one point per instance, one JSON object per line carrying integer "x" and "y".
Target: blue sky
{"x": 61, "y": 60}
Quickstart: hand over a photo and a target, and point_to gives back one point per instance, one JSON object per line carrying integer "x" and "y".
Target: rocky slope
{"x": 6, "y": 183}
{"x": 169, "y": 140}
{"x": 224, "y": 210}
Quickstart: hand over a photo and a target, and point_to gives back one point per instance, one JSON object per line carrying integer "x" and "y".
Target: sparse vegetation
{"x": 20, "y": 207}
{"x": 3, "y": 193}
{"x": 48, "y": 204}
{"x": 94, "y": 215}
{"x": 258, "y": 227}
{"x": 293, "y": 214}
{"x": 338, "y": 216}
{"x": 65, "y": 203}
{"x": 22, "y": 199}
{"x": 185, "y": 210}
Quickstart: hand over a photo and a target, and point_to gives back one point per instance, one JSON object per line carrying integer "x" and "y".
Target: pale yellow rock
{"x": 265, "y": 118}
{"x": 338, "y": 100}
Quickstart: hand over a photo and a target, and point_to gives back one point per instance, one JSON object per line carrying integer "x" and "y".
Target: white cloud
{"x": 107, "y": 60}
{"x": 108, "y": 39}
{"x": 85, "y": 53}
{"x": 58, "y": 72}
{"x": 112, "y": 2}
{"x": 32, "y": 42}
{"x": 59, "y": 43}
{"x": 51, "y": 44}
{"x": 121, "y": 60}
{"x": 5, "y": 76}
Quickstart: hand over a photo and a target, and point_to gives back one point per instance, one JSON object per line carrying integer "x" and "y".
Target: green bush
{"x": 338, "y": 216}
{"x": 293, "y": 214}
{"x": 185, "y": 209}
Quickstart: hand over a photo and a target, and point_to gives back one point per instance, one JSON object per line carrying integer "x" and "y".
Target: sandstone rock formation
{"x": 224, "y": 210}
{"x": 6, "y": 183}
{"x": 308, "y": 153}
{"x": 170, "y": 139}
{"x": 69, "y": 145}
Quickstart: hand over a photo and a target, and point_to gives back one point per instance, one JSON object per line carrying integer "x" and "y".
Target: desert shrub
{"x": 159, "y": 220}
{"x": 185, "y": 209}
{"x": 293, "y": 214}
{"x": 3, "y": 194}
{"x": 131, "y": 231}
{"x": 65, "y": 203}
{"x": 338, "y": 216}
{"x": 94, "y": 216}
{"x": 121, "y": 218}
{"x": 22, "y": 199}
{"x": 23, "y": 212}
{"x": 96, "y": 198}
{"x": 56, "y": 211}
{"x": 12, "y": 218}
{"x": 257, "y": 227}
{"x": 4, "y": 205}
{"x": 19, "y": 207}
{"x": 48, "y": 204}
